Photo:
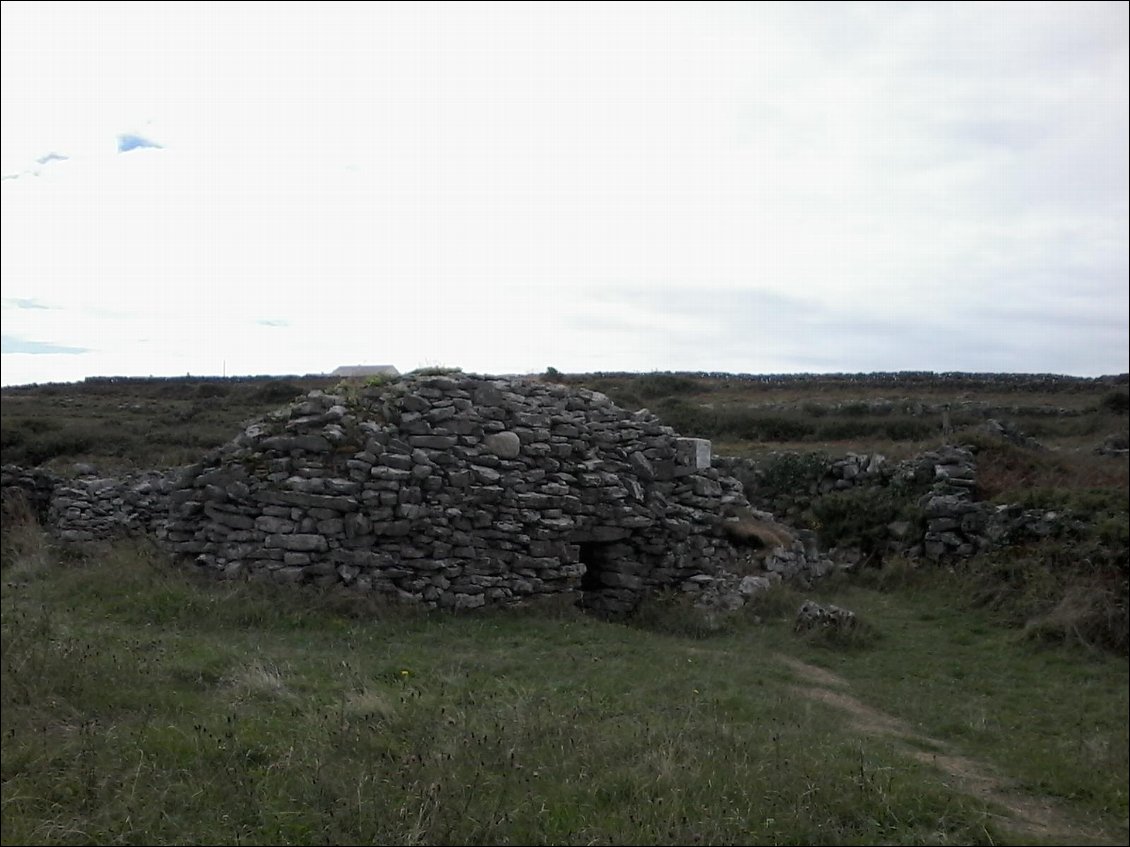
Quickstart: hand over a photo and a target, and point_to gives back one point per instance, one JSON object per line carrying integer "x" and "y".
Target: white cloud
{"x": 486, "y": 185}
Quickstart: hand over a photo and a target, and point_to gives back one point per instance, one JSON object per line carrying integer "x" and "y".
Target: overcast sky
{"x": 283, "y": 188}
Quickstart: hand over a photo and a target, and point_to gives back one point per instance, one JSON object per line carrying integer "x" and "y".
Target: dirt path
{"x": 1022, "y": 813}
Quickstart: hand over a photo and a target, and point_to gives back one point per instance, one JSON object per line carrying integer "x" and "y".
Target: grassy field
{"x": 135, "y": 424}
{"x": 899, "y": 416}
{"x": 971, "y": 706}
{"x": 140, "y": 423}
{"x": 141, "y": 706}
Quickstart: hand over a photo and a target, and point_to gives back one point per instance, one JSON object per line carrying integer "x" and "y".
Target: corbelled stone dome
{"x": 460, "y": 491}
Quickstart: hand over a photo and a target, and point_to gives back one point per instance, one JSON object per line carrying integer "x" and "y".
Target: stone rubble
{"x": 954, "y": 525}
{"x": 812, "y": 615}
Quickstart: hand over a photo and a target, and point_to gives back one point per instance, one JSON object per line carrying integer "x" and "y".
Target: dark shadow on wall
{"x": 597, "y": 559}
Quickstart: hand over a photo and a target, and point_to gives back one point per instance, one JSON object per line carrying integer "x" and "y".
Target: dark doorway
{"x": 597, "y": 558}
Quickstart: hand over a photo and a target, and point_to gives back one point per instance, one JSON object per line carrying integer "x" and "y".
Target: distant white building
{"x": 365, "y": 370}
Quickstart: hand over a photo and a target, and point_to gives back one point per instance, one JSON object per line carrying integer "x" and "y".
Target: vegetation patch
{"x": 141, "y": 705}
{"x": 861, "y": 518}
{"x": 755, "y": 532}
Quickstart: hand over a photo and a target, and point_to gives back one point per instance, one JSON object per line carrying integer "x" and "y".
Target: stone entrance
{"x": 597, "y": 559}
{"x": 608, "y": 586}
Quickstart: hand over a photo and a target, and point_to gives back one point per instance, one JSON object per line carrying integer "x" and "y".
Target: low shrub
{"x": 1091, "y": 612}
{"x": 775, "y": 427}
{"x": 38, "y": 449}
{"x": 779, "y": 602}
{"x": 686, "y": 417}
{"x": 814, "y": 410}
{"x": 671, "y": 612}
{"x": 789, "y": 474}
{"x": 207, "y": 390}
{"x": 1117, "y": 402}
{"x": 1077, "y": 590}
{"x": 436, "y": 370}
{"x": 277, "y": 391}
{"x": 859, "y": 517}
{"x": 842, "y": 630}
{"x": 893, "y": 428}
{"x": 896, "y": 573}
{"x": 655, "y": 385}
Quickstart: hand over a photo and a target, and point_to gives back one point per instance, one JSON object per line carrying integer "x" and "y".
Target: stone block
{"x": 692, "y": 454}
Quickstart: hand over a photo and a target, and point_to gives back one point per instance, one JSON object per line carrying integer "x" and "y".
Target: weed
{"x": 778, "y": 603}
{"x": 859, "y": 517}
{"x": 671, "y": 612}
{"x": 25, "y": 549}
{"x": 1117, "y": 402}
{"x": 789, "y": 474}
{"x": 896, "y": 573}
{"x": 277, "y": 391}
{"x": 650, "y": 386}
{"x": 436, "y": 370}
{"x": 859, "y": 635}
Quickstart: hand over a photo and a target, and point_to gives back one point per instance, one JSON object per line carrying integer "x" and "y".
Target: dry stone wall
{"x": 460, "y": 491}
{"x": 954, "y": 523}
{"x": 90, "y": 507}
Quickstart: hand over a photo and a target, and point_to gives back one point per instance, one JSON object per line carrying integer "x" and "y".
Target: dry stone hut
{"x": 460, "y": 491}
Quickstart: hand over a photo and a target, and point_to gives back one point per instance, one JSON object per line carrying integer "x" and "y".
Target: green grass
{"x": 873, "y": 413}
{"x": 134, "y": 424}
{"x": 141, "y": 705}
{"x": 1052, "y": 718}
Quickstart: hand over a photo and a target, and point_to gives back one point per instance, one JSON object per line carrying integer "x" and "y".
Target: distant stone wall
{"x": 887, "y": 380}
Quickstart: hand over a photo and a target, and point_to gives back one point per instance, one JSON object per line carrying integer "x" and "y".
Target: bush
{"x": 277, "y": 391}
{"x": 1091, "y": 612}
{"x": 894, "y": 428}
{"x": 1004, "y": 470}
{"x": 859, "y": 636}
{"x": 737, "y": 424}
{"x": 436, "y": 370}
{"x": 688, "y": 418}
{"x": 908, "y": 429}
{"x": 814, "y": 410}
{"x": 1116, "y": 401}
{"x": 12, "y": 439}
{"x": 379, "y": 380}
{"x": 24, "y": 545}
{"x": 1059, "y": 591}
{"x": 858, "y": 517}
{"x": 839, "y": 429}
{"x": 897, "y": 573}
{"x": 206, "y": 390}
{"x": 781, "y": 428}
{"x": 779, "y": 602}
{"x": 663, "y": 385}
{"x": 790, "y": 474}
{"x": 670, "y": 612}
{"x": 22, "y": 449}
